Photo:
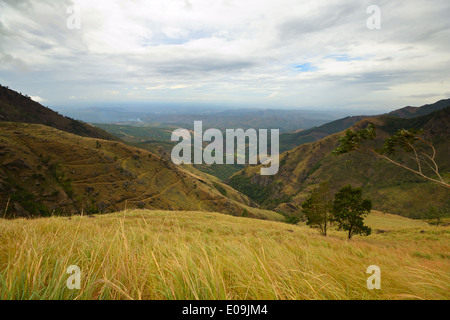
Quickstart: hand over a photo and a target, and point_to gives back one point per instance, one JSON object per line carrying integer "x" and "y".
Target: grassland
{"x": 142, "y": 254}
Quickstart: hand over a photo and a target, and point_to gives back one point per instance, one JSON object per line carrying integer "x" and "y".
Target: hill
{"x": 142, "y": 254}
{"x": 391, "y": 189}
{"x": 15, "y": 107}
{"x": 46, "y": 171}
{"x": 156, "y": 139}
{"x": 290, "y": 140}
{"x": 412, "y": 112}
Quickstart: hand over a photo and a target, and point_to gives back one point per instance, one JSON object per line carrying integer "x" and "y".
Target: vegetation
{"x": 317, "y": 208}
{"x": 15, "y": 107}
{"x": 244, "y": 184}
{"x": 439, "y": 213}
{"x": 54, "y": 172}
{"x": 411, "y": 141}
{"x": 220, "y": 188}
{"x": 156, "y": 138}
{"x": 390, "y": 189}
{"x": 197, "y": 253}
{"x": 349, "y": 209}
{"x": 139, "y": 254}
{"x": 290, "y": 140}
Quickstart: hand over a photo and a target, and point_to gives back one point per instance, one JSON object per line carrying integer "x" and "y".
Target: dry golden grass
{"x": 139, "y": 254}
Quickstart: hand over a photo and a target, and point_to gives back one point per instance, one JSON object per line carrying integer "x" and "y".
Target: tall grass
{"x": 142, "y": 254}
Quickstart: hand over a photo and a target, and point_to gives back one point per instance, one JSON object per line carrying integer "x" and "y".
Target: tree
{"x": 412, "y": 142}
{"x": 434, "y": 213}
{"x": 438, "y": 213}
{"x": 349, "y": 210}
{"x": 318, "y": 208}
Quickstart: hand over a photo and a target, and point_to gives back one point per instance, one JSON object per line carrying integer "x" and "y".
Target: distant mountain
{"x": 15, "y": 107}
{"x": 284, "y": 120}
{"x": 411, "y": 112}
{"x": 392, "y": 189}
{"x": 46, "y": 171}
{"x": 290, "y": 140}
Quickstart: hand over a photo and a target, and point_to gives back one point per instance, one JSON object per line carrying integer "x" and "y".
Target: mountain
{"x": 219, "y": 118}
{"x": 46, "y": 171}
{"x": 411, "y": 112}
{"x": 15, "y": 107}
{"x": 392, "y": 189}
{"x": 290, "y": 140}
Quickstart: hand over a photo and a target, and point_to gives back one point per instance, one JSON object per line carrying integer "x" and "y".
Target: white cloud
{"x": 229, "y": 51}
{"x": 37, "y": 99}
{"x": 159, "y": 87}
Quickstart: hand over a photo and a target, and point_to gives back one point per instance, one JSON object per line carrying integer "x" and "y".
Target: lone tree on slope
{"x": 318, "y": 208}
{"x": 349, "y": 210}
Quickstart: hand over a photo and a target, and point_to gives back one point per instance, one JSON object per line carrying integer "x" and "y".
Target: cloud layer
{"x": 286, "y": 53}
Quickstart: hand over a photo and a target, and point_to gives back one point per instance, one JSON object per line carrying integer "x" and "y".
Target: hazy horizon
{"x": 227, "y": 54}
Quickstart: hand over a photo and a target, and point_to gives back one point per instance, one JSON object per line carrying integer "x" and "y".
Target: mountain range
{"x": 52, "y": 164}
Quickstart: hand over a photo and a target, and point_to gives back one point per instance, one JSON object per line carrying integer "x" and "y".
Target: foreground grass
{"x": 142, "y": 254}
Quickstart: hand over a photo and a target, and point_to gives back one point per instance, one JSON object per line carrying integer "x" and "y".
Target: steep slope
{"x": 15, "y": 107}
{"x": 47, "y": 171}
{"x": 392, "y": 189}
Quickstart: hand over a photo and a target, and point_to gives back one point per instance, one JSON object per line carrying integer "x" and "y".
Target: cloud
{"x": 159, "y": 87}
{"x": 315, "y": 53}
{"x": 37, "y": 99}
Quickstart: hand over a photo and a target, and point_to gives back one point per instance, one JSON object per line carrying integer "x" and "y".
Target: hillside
{"x": 412, "y": 112}
{"x": 290, "y": 140}
{"x": 391, "y": 189}
{"x": 15, "y": 107}
{"x": 141, "y": 254}
{"x": 156, "y": 139}
{"x": 46, "y": 171}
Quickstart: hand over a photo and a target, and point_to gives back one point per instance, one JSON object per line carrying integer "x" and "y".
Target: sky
{"x": 250, "y": 53}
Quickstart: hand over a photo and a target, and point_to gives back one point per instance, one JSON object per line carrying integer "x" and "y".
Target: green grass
{"x": 143, "y": 254}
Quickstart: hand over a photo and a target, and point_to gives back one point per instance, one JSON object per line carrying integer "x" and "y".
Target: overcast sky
{"x": 262, "y": 53}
